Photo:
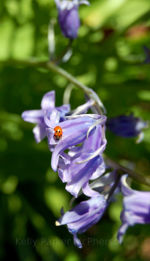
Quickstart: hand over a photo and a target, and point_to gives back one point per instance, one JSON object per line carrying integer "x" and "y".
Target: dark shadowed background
{"x": 108, "y": 56}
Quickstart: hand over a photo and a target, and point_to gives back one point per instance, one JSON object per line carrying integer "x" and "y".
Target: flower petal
{"x": 77, "y": 241}
{"x": 39, "y": 133}
{"x": 80, "y": 176}
{"x": 48, "y": 101}
{"x": 33, "y": 116}
{"x": 83, "y": 108}
{"x": 53, "y": 119}
{"x": 88, "y": 191}
{"x": 64, "y": 109}
{"x": 100, "y": 170}
{"x": 95, "y": 154}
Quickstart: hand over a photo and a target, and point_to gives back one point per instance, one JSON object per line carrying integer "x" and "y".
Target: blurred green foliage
{"x": 107, "y": 56}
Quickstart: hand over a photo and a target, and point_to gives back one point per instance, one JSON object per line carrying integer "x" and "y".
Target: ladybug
{"x": 58, "y": 132}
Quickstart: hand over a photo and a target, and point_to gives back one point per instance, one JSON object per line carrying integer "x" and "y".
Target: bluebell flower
{"x": 126, "y": 126}
{"x": 89, "y": 212}
{"x": 68, "y": 16}
{"x": 75, "y": 131}
{"x": 83, "y": 216}
{"x": 49, "y": 116}
{"x": 136, "y": 207}
{"x": 38, "y": 116}
{"x": 83, "y": 163}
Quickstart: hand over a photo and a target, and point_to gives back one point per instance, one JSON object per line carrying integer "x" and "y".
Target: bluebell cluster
{"x": 77, "y": 141}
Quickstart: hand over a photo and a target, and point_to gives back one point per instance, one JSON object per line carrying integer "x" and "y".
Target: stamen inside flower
{"x": 57, "y": 223}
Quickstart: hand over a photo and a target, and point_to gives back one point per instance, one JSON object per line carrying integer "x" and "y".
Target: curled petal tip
{"x": 83, "y": 2}
{"x": 77, "y": 241}
{"x": 94, "y": 154}
{"x": 101, "y": 121}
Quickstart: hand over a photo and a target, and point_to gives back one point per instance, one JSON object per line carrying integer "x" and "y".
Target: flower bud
{"x": 68, "y": 17}
{"x": 126, "y": 126}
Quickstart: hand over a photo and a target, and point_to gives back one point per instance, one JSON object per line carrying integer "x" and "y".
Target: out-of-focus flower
{"x": 147, "y": 54}
{"x": 77, "y": 170}
{"x": 38, "y": 116}
{"x": 136, "y": 207}
{"x": 68, "y": 16}
{"x": 126, "y": 126}
{"x": 75, "y": 132}
{"x": 83, "y": 216}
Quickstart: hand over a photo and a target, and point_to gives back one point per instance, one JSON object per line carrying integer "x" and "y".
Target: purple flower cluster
{"x": 83, "y": 137}
{"x": 77, "y": 156}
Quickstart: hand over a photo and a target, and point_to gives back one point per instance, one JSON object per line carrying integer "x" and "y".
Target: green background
{"x": 107, "y": 56}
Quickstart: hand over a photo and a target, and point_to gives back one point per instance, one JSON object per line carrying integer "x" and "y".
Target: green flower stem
{"x": 124, "y": 170}
{"x": 51, "y": 66}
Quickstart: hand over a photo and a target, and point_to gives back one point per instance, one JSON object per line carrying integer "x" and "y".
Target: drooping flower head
{"x": 83, "y": 216}
{"x": 74, "y": 132}
{"x": 136, "y": 208}
{"x": 127, "y": 126}
{"x": 83, "y": 163}
{"x": 68, "y": 16}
